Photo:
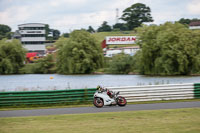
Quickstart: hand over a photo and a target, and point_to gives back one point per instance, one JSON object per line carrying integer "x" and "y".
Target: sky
{"x": 68, "y": 15}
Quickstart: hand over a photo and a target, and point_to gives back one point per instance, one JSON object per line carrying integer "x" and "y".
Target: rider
{"x": 101, "y": 89}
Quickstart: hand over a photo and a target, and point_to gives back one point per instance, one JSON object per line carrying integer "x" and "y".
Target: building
{"x": 33, "y": 37}
{"x": 194, "y": 25}
{"x": 126, "y": 50}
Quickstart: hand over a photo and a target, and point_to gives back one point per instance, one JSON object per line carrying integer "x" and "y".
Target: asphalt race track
{"x": 80, "y": 110}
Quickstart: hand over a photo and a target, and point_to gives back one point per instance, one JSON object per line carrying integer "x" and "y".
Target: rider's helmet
{"x": 99, "y": 88}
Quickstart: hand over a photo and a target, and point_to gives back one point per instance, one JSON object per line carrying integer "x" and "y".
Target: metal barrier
{"x": 46, "y": 97}
{"x": 131, "y": 93}
{"x": 159, "y": 92}
{"x": 197, "y": 90}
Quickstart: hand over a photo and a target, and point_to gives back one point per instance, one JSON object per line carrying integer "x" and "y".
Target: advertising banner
{"x": 120, "y": 40}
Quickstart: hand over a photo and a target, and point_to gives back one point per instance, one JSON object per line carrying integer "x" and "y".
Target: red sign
{"x": 120, "y": 39}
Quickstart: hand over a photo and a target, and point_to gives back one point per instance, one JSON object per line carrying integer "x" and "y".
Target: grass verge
{"x": 153, "y": 121}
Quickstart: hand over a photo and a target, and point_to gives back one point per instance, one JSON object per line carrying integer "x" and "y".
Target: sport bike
{"x": 106, "y": 97}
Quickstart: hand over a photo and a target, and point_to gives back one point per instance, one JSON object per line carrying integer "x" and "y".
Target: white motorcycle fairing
{"x": 107, "y": 100}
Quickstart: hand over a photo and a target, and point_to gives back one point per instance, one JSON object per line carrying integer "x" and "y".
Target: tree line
{"x": 166, "y": 49}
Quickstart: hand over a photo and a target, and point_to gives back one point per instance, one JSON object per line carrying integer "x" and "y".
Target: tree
{"x": 51, "y": 34}
{"x": 43, "y": 65}
{"x": 104, "y": 27}
{"x": 80, "y": 54}
{"x": 65, "y": 35}
{"x": 61, "y": 41}
{"x": 136, "y": 15}
{"x": 184, "y": 21}
{"x": 56, "y": 34}
{"x": 90, "y": 29}
{"x": 187, "y": 21}
{"x": 5, "y": 31}
{"x": 120, "y": 26}
{"x": 47, "y": 31}
{"x": 121, "y": 64}
{"x": 12, "y": 56}
{"x": 169, "y": 49}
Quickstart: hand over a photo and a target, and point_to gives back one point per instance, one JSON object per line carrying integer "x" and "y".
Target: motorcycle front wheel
{"x": 98, "y": 102}
{"x": 121, "y": 101}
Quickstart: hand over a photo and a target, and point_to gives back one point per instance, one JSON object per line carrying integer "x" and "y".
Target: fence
{"x": 46, "y": 97}
{"x": 197, "y": 90}
{"x": 131, "y": 93}
{"x": 159, "y": 92}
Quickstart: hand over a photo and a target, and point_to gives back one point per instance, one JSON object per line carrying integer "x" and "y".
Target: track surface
{"x": 80, "y": 110}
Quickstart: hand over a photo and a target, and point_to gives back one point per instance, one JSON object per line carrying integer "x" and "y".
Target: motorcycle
{"x": 108, "y": 98}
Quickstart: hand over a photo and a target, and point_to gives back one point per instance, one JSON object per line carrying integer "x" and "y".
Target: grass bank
{"x": 157, "y": 121}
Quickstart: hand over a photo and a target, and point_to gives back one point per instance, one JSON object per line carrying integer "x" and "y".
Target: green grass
{"x": 157, "y": 121}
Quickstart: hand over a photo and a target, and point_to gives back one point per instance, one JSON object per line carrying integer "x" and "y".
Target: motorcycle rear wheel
{"x": 98, "y": 102}
{"x": 121, "y": 101}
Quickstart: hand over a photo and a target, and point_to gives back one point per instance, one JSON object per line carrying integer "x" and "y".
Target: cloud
{"x": 83, "y": 20}
{"x": 56, "y": 3}
{"x": 194, "y": 7}
{"x": 162, "y": 17}
{"x": 14, "y": 14}
{"x": 73, "y": 14}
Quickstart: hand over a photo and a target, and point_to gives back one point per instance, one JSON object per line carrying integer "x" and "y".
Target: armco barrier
{"x": 131, "y": 93}
{"x": 159, "y": 92}
{"x": 197, "y": 90}
{"x": 46, "y": 97}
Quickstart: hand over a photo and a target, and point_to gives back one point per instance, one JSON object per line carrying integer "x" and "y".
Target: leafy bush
{"x": 80, "y": 54}
{"x": 42, "y": 66}
{"x": 121, "y": 64}
{"x": 12, "y": 56}
{"x": 169, "y": 49}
